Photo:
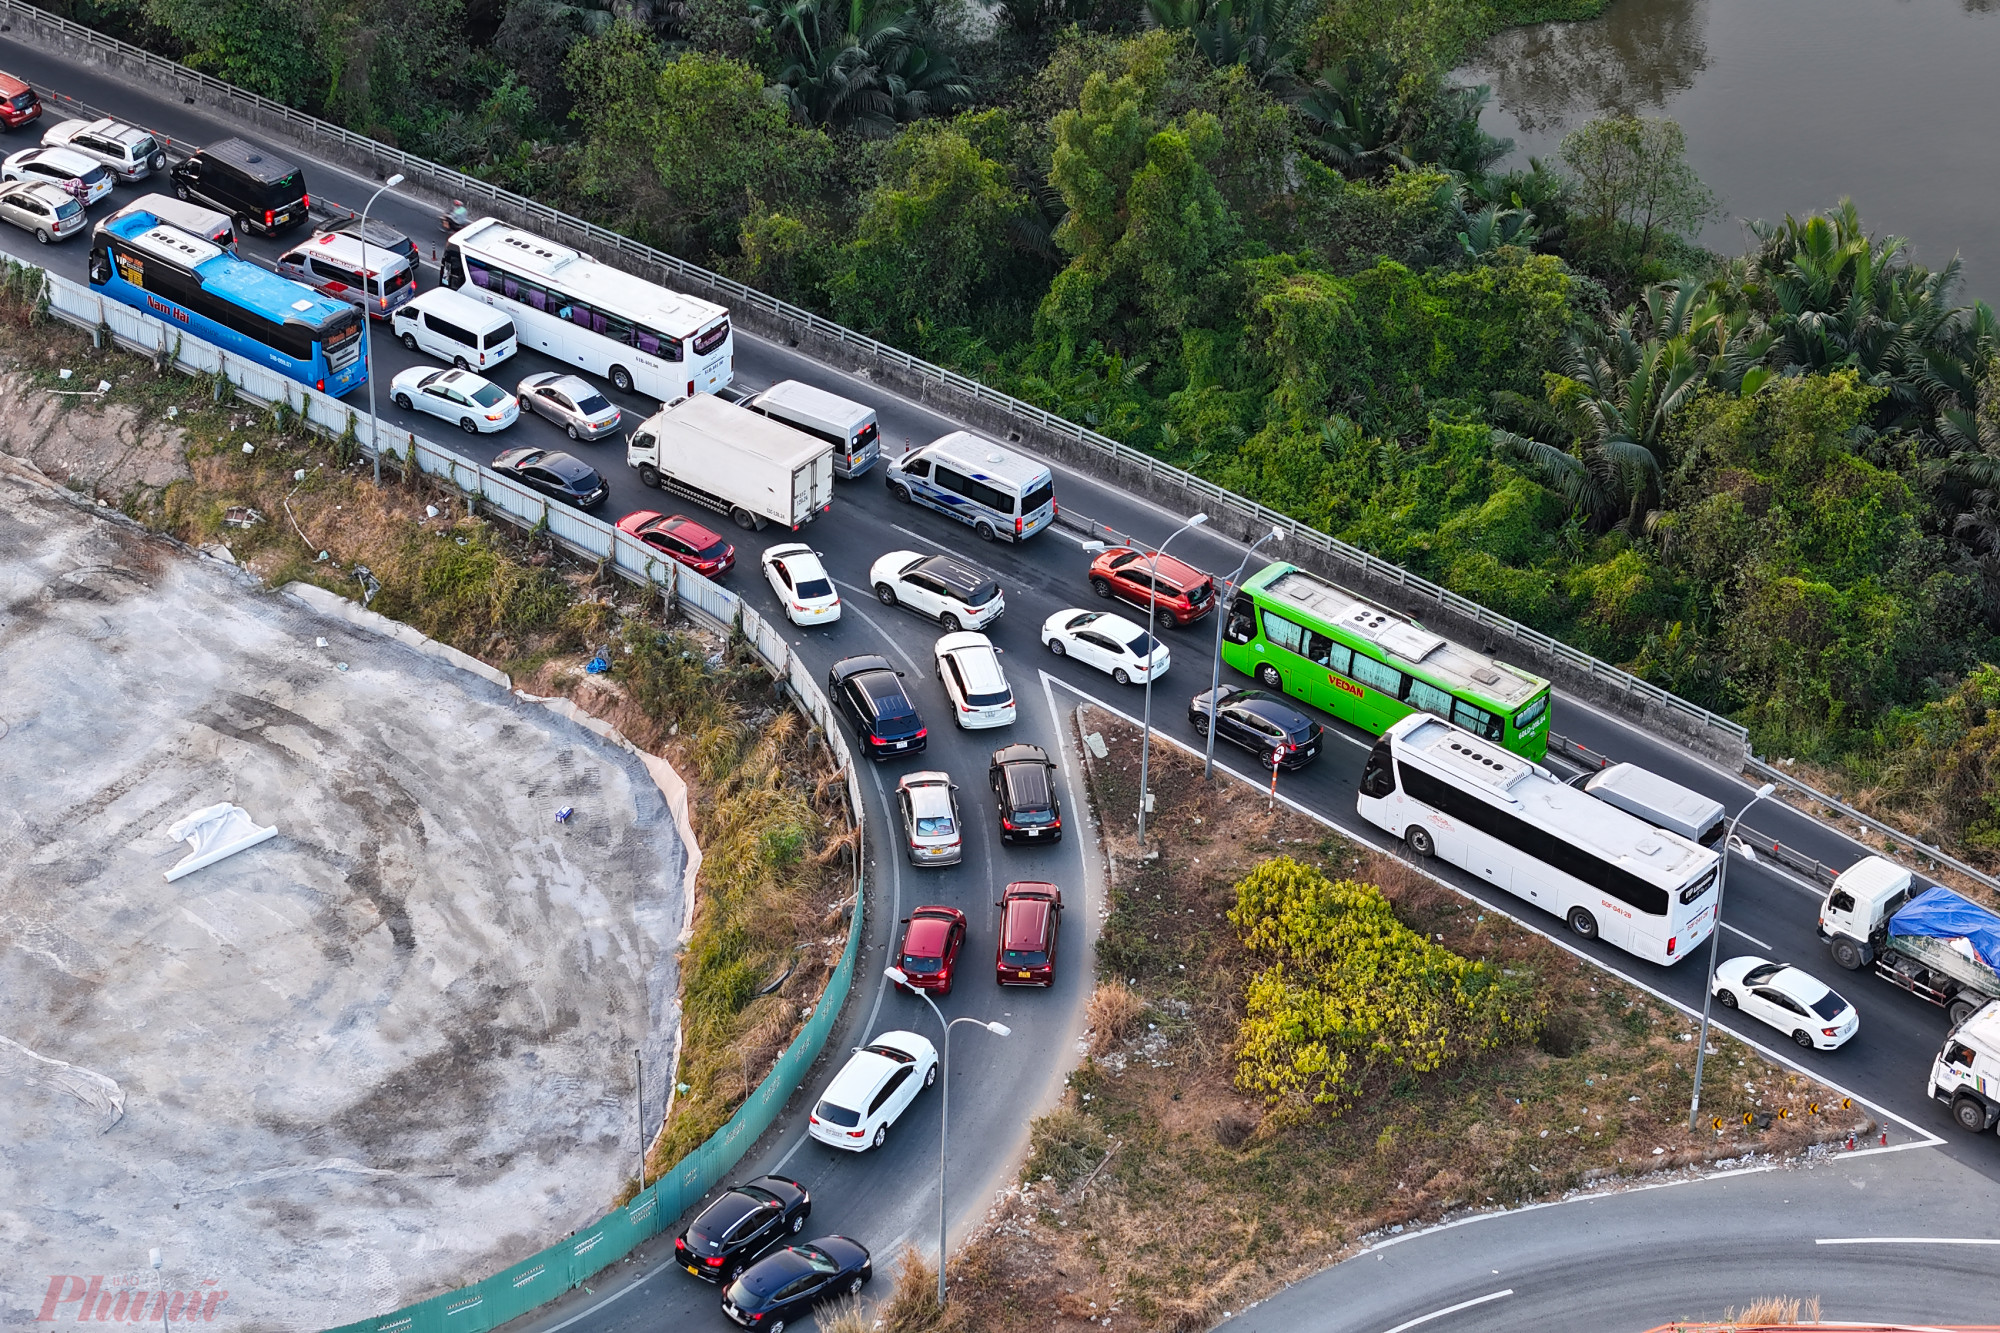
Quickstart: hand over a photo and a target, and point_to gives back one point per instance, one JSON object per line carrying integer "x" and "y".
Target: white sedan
{"x": 796, "y": 575}
{"x": 1111, "y": 643}
{"x": 969, "y": 666}
{"x": 877, "y": 1084}
{"x": 1798, "y": 1005}
{"x": 476, "y": 406}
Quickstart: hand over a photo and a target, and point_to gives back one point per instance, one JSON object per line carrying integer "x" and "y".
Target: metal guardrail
{"x": 1763, "y": 844}
{"x": 516, "y": 1290}
{"x": 1936, "y": 856}
{"x": 524, "y": 211}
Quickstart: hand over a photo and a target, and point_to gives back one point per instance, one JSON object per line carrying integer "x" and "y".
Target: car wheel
{"x": 985, "y": 531}
{"x": 950, "y": 623}
{"x": 462, "y": 364}
{"x": 1056, "y": 647}
{"x": 1201, "y": 724}
{"x": 1119, "y": 674}
{"x": 1969, "y": 1114}
{"x": 403, "y": 401}
{"x": 1803, "y": 1038}
{"x": 1727, "y": 998}
{"x": 1961, "y": 1009}
{"x": 900, "y": 491}
{"x": 854, "y": 1287}
{"x": 798, "y": 1224}
{"x": 242, "y": 224}
{"x": 1268, "y": 677}
{"x": 776, "y": 1326}
{"x": 468, "y": 425}
{"x": 621, "y": 379}
{"x": 1583, "y": 923}
{"x": 1419, "y": 840}
{"x": 1848, "y": 954}
{"x": 930, "y": 1076}
{"x": 744, "y": 519}
{"x": 881, "y": 1136}
{"x": 571, "y": 430}
{"x": 41, "y": 235}
{"x": 649, "y": 476}
{"x": 181, "y": 193}
{"x": 885, "y": 594}
{"x": 410, "y": 341}
{"x": 1102, "y": 587}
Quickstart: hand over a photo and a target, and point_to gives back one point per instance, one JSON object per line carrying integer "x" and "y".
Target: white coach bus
{"x": 640, "y": 336}
{"x": 1449, "y": 793}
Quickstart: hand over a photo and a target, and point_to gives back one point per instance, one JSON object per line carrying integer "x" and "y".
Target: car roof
{"x": 731, "y": 1207}
{"x": 1172, "y": 569}
{"x": 774, "y": 1270}
{"x": 926, "y": 932}
{"x": 865, "y": 1070}
{"x": 882, "y": 689}
{"x": 683, "y": 526}
{"x": 574, "y": 385}
{"x": 1268, "y": 706}
{"x": 569, "y": 467}
{"x": 66, "y": 158}
{"x": 929, "y": 798}
{"x": 802, "y": 559}
{"x": 260, "y": 164}
{"x": 47, "y": 191}
{"x": 849, "y": 667}
{"x": 954, "y": 574}
{"x": 116, "y": 129}
{"x": 1020, "y": 752}
{"x": 1799, "y": 985}
{"x": 1025, "y": 924}
{"x": 978, "y": 659}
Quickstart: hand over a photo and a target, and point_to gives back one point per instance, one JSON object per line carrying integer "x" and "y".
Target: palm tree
{"x": 863, "y": 66}
{"x": 1352, "y": 121}
{"x": 1256, "y": 34}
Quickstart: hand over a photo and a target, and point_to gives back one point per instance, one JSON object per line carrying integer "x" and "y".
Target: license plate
{"x": 1034, "y": 833}
{"x": 692, "y": 1269}
{"x": 1026, "y": 975}
{"x": 283, "y": 217}
{"x": 902, "y": 745}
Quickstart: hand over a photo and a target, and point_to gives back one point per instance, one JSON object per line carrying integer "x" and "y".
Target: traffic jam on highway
{"x": 1459, "y": 739}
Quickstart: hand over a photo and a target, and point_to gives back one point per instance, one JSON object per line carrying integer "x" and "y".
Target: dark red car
{"x": 1186, "y": 594}
{"x": 18, "y": 103}
{"x": 1030, "y": 915}
{"x": 679, "y": 537}
{"x": 932, "y": 937}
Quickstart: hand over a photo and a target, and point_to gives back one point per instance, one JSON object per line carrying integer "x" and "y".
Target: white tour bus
{"x": 643, "y": 338}
{"x": 997, "y": 492}
{"x": 1449, "y": 793}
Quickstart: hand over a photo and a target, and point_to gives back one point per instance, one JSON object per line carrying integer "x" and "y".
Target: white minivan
{"x": 994, "y": 491}
{"x": 467, "y": 333}
{"x": 849, "y": 427}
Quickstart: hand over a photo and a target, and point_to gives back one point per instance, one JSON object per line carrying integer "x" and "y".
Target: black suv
{"x": 1261, "y": 723}
{"x": 746, "y": 1221}
{"x": 1024, "y": 791}
{"x": 870, "y": 692}
{"x": 559, "y": 476}
{"x": 260, "y": 191}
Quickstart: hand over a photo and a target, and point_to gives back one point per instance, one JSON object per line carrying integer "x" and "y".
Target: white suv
{"x": 872, "y": 1089}
{"x": 968, "y": 665}
{"x": 953, "y": 594}
{"x": 130, "y": 152}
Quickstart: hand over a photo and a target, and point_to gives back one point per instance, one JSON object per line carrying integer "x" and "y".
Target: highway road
{"x": 888, "y": 1198}
{"x": 1898, "y": 1236}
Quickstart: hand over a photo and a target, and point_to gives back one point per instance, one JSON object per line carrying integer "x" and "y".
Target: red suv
{"x": 18, "y": 103}
{"x": 681, "y": 538}
{"x": 932, "y": 937}
{"x": 1186, "y": 594}
{"x": 1030, "y": 912}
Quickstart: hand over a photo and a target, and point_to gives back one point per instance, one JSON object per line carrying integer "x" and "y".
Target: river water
{"x": 1789, "y": 105}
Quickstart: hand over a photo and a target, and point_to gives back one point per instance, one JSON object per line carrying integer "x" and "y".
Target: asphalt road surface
{"x": 888, "y": 1198}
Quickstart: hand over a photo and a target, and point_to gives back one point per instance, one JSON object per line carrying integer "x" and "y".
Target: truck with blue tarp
{"x": 1936, "y": 944}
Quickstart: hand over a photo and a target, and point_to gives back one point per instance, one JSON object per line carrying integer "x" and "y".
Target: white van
{"x": 995, "y": 491}
{"x": 469, "y": 334}
{"x": 373, "y": 277}
{"x": 211, "y": 226}
{"x": 1661, "y": 803}
{"x": 849, "y": 427}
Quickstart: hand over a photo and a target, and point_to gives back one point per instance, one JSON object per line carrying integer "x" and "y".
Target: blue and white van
{"x": 993, "y": 490}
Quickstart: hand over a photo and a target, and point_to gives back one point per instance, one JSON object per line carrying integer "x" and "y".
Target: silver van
{"x": 849, "y": 427}
{"x": 374, "y": 277}
{"x": 211, "y": 226}
{"x": 1661, "y": 803}
{"x": 991, "y": 489}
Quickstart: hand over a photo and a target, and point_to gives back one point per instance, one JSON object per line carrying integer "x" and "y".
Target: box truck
{"x": 750, "y": 467}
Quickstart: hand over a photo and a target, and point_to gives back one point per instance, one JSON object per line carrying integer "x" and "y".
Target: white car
{"x": 130, "y": 152}
{"x": 796, "y": 575}
{"x": 875, "y": 1086}
{"x": 1108, "y": 642}
{"x": 932, "y": 830}
{"x": 949, "y": 591}
{"x": 969, "y": 666}
{"x": 476, "y": 406}
{"x": 83, "y": 178}
{"x": 1803, "y": 1008}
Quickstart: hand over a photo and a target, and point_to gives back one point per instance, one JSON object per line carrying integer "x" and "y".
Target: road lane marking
{"x": 1746, "y": 935}
{"x": 928, "y": 541}
{"x": 1908, "y": 1240}
{"x": 1451, "y": 1309}
{"x": 876, "y": 625}
{"x": 895, "y": 908}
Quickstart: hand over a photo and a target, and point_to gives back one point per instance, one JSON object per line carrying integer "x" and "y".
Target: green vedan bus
{"x": 1337, "y": 651}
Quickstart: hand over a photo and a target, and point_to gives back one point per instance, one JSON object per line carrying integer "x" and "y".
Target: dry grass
{"x": 912, "y": 1306}
{"x": 1603, "y": 1095}
{"x": 1114, "y": 1015}
{"x": 1774, "y": 1310}
{"x": 844, "y": 1316}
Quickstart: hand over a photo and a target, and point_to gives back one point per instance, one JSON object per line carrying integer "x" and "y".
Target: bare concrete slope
{"x": 384, "y": 1053}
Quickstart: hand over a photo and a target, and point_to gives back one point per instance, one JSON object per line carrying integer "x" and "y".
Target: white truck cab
{"x": 1865, "y": 895}
{"x": 1966, "y": 1076}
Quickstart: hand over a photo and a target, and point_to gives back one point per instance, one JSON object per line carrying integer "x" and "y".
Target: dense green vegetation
{"x": 1268, "y": 240}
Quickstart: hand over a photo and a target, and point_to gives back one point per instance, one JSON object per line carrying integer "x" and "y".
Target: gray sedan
{"x": 42, "y": 207}
{"x": 571, "y": 402}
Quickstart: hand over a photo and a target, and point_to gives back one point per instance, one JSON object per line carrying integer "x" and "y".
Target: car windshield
{"x": 1762, "y": 973}
{"x": 1829, "y": 1005}
{"x": 1025, "y": 958}
{"x": 983, "y": 594}
{"x": 922, "y": 967}
{"x": 68, "y": 208}
{"x": 815, "y": 588}
{"x": 821, "y": 1261}
{"x": 1143, "y": 645}
{"x": 96, "y": 176}
{"x": 838, "y": 1115}
{"x": 935, "y": 826}
{"x": 990, "y": 700}
{"x": 592, "y": 404}
{"x": 488, "y": 395}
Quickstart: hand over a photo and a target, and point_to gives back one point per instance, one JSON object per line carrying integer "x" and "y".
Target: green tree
{"x": 259, "y": 45}
{"x": 1634, "y": 184}
{"x": 865, "y": 65}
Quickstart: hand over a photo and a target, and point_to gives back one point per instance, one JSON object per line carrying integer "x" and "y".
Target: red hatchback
{"x": 1186, "y": 594}
{"x": 18, "y": 103}
{"x": 679, "y": 537}
{"x": 932, "y": 937}
{"x": 1030, "y": 913}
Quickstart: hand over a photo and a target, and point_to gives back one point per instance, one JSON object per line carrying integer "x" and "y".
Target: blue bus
{"x": 245, "y": 310}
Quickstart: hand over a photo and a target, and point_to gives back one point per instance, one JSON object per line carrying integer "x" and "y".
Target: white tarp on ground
{"x": 212, "y": 833}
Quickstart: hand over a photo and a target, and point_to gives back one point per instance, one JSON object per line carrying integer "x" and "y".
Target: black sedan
{"x": 556, "y": 475}
{"x": 1260, "y": 722}
{"x": 783, "y": 1287}
{"x": 870, "y": 692}
{"x": 1023, "y": 778}
{"x": 746, "y": 1221}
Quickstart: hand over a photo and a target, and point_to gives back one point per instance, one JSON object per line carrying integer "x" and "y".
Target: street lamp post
{"x": 901, "y": 978}
{"x": 368, "y": 329}
{"x": 1215, "y": 668}
{"x": 1714, "y": 950}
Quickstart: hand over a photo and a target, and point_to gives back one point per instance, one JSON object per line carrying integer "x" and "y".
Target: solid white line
{"x": 616, "y": 1295}
{"x": 1451, "y": 1309}
{"x": 876, "y": 625}
{"x": 797, "y": 1144}
{"x": 1907, "y": 1240}
{"x": 928, "y": 541}
{"x": 1746, "y": 935}
{"x": 895, "y": 908}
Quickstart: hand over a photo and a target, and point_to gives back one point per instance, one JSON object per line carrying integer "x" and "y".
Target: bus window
{"x": 1429, "y": 698}
{"x": 1378, "y": 779}
{"x": 1475, "y": 720}
{"x": 1379, "y": 675}
{"x": 1532, "y": 714}
{"x": 1242, "y": 624}
{"x": 1325, "y": 652}
{"x": 1284, "y": 633}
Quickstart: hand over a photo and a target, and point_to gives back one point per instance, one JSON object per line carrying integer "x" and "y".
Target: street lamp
{"x": 368, "y": 329}
{"x": 1215, "y": 670}
{"x": 902, "y": 978}
{"x": 1715, "y": 948}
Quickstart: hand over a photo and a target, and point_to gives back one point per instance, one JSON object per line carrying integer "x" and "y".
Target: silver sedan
{"x": 572, "y": 403}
